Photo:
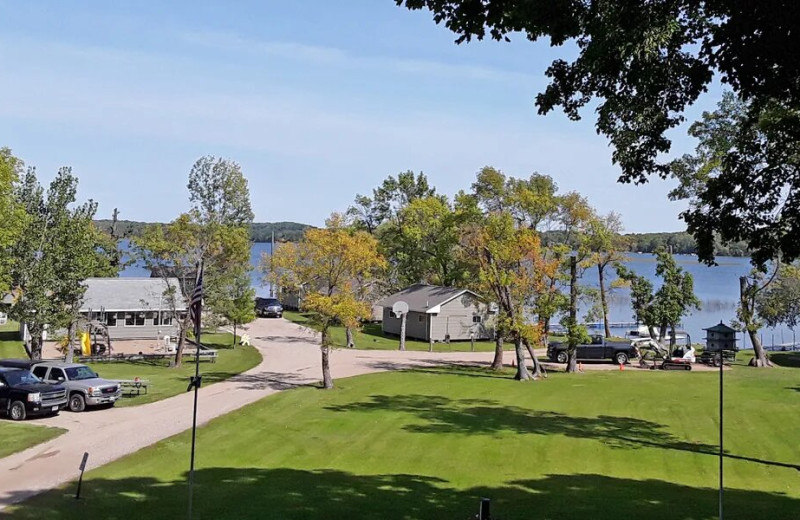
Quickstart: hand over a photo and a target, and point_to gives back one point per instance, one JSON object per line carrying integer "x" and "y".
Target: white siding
{"x": 456, "y": 319}
{"x": 416, "y": 324}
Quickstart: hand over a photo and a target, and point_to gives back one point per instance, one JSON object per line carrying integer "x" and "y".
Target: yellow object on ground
{"x": 86, "y": 344}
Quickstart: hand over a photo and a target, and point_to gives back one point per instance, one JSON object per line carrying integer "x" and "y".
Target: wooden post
{"x": 82, "y": 467}
{"x": 403, "y": 330}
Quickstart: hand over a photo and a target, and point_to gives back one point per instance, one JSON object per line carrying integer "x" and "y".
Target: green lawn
{"x": 10, "y": 345}
{"x": 19, "y": 436}
{"x": 430, "y": 443}
{"x": 371, "y": 338}
{"x": 166, "y": 382}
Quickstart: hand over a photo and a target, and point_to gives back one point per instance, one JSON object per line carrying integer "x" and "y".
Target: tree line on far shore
{"x": 679, "y": 242}
{"x": 259, "y": 231}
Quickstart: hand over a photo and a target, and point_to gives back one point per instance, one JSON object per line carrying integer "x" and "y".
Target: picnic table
{"x": 712, "y": 357}
{"x": 131, "y": 386}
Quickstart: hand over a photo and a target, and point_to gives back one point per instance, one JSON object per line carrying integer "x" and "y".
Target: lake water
{"x": 716, "y": 287}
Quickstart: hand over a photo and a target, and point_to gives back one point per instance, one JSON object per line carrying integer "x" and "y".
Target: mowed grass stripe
{"x": 427, "y": 445}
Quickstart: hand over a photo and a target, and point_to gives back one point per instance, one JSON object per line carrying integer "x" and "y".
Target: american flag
{"x": 196, "y": 304}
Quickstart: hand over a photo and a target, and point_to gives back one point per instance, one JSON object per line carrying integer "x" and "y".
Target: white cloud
{"x": 338, "y": 58}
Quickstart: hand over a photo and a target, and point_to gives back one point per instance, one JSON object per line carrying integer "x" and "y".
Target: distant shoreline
{"x": 678, "y": 242}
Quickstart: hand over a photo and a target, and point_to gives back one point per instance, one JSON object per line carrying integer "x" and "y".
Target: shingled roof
{"x": 128, "y": 294}
{"x": 425, "y": 298}
{"x": 721, "y": 327}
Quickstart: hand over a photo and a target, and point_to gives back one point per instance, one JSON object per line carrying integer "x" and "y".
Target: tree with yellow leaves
{"x": 331, "y": 266}
{"x": 513, "y": 270}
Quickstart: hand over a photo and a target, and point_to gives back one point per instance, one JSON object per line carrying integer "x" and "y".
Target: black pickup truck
{"x": 619, "y": 352}
{"x": 22, "y": 394}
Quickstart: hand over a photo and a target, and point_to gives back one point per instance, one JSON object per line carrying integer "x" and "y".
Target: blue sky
{"x": 317, "y": 101}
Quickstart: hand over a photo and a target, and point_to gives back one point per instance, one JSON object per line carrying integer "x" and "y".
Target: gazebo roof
{"x": 721, "y": 327}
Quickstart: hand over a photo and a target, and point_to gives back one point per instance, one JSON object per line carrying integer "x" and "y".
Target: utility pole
{"x": 271, "y": 252}
{"x": 572, "y": 365}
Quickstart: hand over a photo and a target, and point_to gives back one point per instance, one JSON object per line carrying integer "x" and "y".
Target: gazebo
{"x": 720, "y": 344}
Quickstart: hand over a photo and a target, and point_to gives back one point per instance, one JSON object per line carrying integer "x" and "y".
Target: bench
{"x": 131, "y": 386}
{"x": 206, "y": 354}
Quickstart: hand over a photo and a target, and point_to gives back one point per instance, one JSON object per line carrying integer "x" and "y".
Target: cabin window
{"x": 134, "y": 319}
{"x": 166, "y": 319}
{"x": 111, "y": 319}
{"x": 477, "y": 319}
{"x": 421, "y": 318}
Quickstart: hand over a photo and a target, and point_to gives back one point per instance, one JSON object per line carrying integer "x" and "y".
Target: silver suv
{"x": 84, "y": 386}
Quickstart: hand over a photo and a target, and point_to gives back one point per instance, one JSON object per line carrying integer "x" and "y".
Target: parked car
{"x": 22, "y": 394}
{"x": 269, "y": 307}
{"x": 84, "y": 386}
{"x": 618, "y": 351}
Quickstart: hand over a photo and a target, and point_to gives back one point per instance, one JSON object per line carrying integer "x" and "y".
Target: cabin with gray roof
{"x": 438, "y": 313}
{"x": 133, "y": 308}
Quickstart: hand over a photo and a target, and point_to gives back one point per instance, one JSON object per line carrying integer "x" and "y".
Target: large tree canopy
{"x": 743, "y": 180}
{"x": 645, "y": 62}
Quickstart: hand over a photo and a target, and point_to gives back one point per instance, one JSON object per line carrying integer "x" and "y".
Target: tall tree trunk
{"x": 760, "y": 358}
{"x": 572, "y": 350}
{"x": 327, "y": 380}
{"x": 497, "y": 362}
{"x": 522, "y": 371}
{"x": 70, "y": 345}
{"x": 537, "y": 367}
{"x": 662, "y": 333}
{"x": 36, "y": 347}
{"x": 545, "y": 332}
{"x": 403, "y": 331}
{"x": 603, "y": 302}
{"x": 673, "y": 340}
{"x": 348, "y": 332}
{"x": 182, "y": 339}
{"x": 234, "y": 334}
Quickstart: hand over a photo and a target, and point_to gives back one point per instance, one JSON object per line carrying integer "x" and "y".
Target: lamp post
{"x": 721, "y": 363}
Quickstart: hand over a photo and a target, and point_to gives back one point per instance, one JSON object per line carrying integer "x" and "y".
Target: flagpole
{"x": 195, "y": 310}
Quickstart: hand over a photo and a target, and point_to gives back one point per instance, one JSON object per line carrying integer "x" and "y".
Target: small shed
{"x": 438, "y": 313}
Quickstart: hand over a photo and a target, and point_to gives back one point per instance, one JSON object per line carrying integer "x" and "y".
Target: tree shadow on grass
{"x": 479, "y": 369}
{"x": 286, "y": 339}
{"x": 262, "y": 380}
{"x": 284, "y": 493}
{"x": 9, "y": 335}
{"x": 786, "y": 359}
{"x": 487, "y": 417}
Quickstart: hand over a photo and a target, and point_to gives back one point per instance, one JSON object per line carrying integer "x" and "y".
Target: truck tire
{"x": 17, "y": 411}
{"x": 562, "y": 357}
{"x": 621, "y": 358}
{"x": 77, "y": 403}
